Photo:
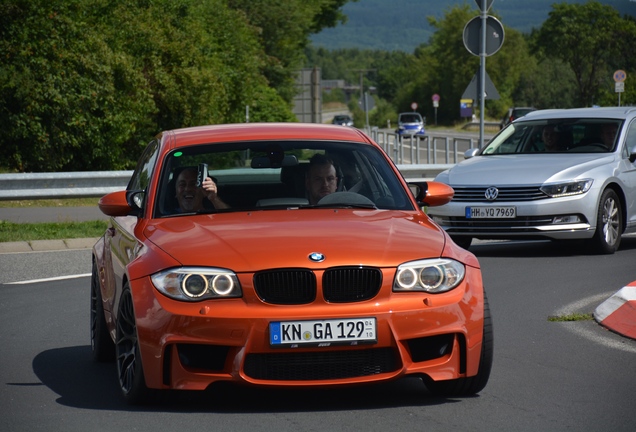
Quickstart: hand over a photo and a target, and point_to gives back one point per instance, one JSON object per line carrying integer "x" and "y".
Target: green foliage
{"x": 334, "y": 95}
{"x": 592, "y": 40}
{"x": 84, "y": 84}
{"x": 561, "y": 65}
{"x": 59, "y": 95}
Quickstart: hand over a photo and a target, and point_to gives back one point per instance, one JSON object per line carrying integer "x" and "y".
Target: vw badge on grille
{"x": 491, "y": 193}
{"x": 316, "y": 257}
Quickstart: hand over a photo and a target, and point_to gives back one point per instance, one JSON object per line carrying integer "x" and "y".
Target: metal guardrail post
{"x": 447, "y": 148}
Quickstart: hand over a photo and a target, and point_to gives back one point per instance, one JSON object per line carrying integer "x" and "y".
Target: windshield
{"x": 282, "y": 174}
{"x": 410, "y": 118}
{"x": 572, "y": 135}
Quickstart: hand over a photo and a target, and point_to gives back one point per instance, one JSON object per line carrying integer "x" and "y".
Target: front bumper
{"x": 411, "y": 130}
{"x": 562, "y": 218}
{"x": 192, "y": 345}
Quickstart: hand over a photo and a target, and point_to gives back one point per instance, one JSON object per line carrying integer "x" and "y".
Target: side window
{"x": 630, "y": 139}
{"x": 141, "y": 177}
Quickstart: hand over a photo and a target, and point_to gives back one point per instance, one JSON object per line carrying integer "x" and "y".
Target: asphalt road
{"x": 547, "y": 376}
{"x": 51, "y": 214}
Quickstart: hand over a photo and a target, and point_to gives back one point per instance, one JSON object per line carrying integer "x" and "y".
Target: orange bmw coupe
{"x": 282, "y": 255}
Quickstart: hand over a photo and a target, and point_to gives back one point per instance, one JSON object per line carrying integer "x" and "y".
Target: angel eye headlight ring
{"x": 194, "y": 285}
{"x": 222, "y": 284}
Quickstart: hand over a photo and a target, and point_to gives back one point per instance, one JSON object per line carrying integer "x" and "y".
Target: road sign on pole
{"x": 494, "y": 36}
{"x": 619, "y": 83}
{"x": 619, "y": 76}
{"x": 480, "y": 4}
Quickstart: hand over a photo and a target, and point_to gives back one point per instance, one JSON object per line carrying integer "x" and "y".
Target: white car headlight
{"x": 567, "y": 188}
{"x": 197, "y": 283}
{"x": 432, "y": 276}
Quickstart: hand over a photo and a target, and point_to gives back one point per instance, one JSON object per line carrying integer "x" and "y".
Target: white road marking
{"x": 49, "y": 279}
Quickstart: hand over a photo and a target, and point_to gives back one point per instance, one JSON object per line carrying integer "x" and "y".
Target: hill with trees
{"x": 567, "y": 62}
{"x": 402, "y": 24}
{"x": 84, "y": 84}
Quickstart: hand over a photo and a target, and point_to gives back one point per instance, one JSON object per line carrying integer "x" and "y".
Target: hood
{"x": 523, "y": 169}
{"x": 250, "y": 241}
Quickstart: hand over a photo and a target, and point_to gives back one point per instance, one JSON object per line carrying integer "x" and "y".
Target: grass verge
{"x": 66, "y": 202}
{"x": 572, "y": 317}
{"x": 12, "y": 232}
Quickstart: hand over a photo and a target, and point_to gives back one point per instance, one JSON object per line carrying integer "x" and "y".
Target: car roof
{"x": 261, "y": 132}
{"x": 602, "y": 112}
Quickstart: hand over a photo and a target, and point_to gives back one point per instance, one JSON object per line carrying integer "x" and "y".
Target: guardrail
{"x": 99, "y": 183}
{"x": 428, "y": 149}
{"x": 61, "y": 185}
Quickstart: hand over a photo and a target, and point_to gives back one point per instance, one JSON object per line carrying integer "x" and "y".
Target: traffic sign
{"x": 619, "y": 76}
{"x": 480, "y": 3}
{"x": 414, "y": 106}
{"x": 494, "y": 36}
{"x": 472, "y": 91}
{"x": 435, "y": 97}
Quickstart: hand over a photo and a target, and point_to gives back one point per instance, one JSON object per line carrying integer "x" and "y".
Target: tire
{"x": 130, "y": 371}
{"x": 463, "y": 242}
{"x": 609, "y": 224}
{"x": 471, "y": 385}
{"x": 102, "y": 345}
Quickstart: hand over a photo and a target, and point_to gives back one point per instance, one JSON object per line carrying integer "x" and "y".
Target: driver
{"x": 321, "y": 178}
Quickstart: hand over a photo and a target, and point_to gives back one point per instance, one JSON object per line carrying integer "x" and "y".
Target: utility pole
{"x": 363, "y": 99}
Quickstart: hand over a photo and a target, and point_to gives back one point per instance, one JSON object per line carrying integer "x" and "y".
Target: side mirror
{"x": 121, "y": 203}
{"x": 471, "y": 153}
{"x": 432, "y": 194}
{"x": 632, "y": 154}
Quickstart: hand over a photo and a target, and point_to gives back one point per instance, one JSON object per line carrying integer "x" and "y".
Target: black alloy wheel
{"x": 129, "y": 367}
{"x": 102, "y": 345}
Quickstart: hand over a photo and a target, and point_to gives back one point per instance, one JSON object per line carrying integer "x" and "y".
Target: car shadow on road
{"x": 541, "y": 248}
{"x": 82, "y": 383}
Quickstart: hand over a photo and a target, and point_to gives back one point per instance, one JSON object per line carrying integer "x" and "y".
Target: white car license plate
{"x": 491, "y": 212}
{"x": 351, "y": 331}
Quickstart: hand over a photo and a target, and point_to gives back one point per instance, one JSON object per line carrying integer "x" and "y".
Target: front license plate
{"x": 351, "y": 331}
{"x": 491, "y": 212}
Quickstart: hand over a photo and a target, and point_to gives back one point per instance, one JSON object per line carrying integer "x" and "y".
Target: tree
{"x": 589, "y": 38}
{"x": 283, "y": 28}
{"x": 85, "y": 83}
{"x": 65, "y": 96}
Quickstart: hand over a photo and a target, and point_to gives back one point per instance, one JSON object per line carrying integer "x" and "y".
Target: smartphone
{"x": 202, "y": 174}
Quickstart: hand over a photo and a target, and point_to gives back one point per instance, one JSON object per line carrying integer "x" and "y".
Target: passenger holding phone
{"x": 190, "y": 197}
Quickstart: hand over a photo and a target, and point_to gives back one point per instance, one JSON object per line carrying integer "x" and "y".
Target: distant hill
{"x": 402, "y": 25}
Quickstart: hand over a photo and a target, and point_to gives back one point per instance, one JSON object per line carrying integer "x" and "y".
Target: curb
{"x": 618, "y": 313}
{"x": 47, "y": 245}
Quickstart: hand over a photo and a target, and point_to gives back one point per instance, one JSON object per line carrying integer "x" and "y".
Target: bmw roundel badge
{"x": 316, "y": 257}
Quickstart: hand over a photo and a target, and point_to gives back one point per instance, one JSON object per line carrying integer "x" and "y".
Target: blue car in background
{"x": 410, "y": 124}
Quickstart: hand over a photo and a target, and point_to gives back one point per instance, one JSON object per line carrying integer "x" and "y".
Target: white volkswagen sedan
{"x": 552, "y": 174}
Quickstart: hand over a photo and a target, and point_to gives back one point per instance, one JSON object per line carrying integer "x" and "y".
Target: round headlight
{"x": 431, "y": 277}
{"x": 407, "y": 278}
{"x": 195, "y": 285}
{"x": 222, "y": 284}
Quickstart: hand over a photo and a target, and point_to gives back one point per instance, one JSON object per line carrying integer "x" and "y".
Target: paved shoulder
{"x": 51, "y": 214}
